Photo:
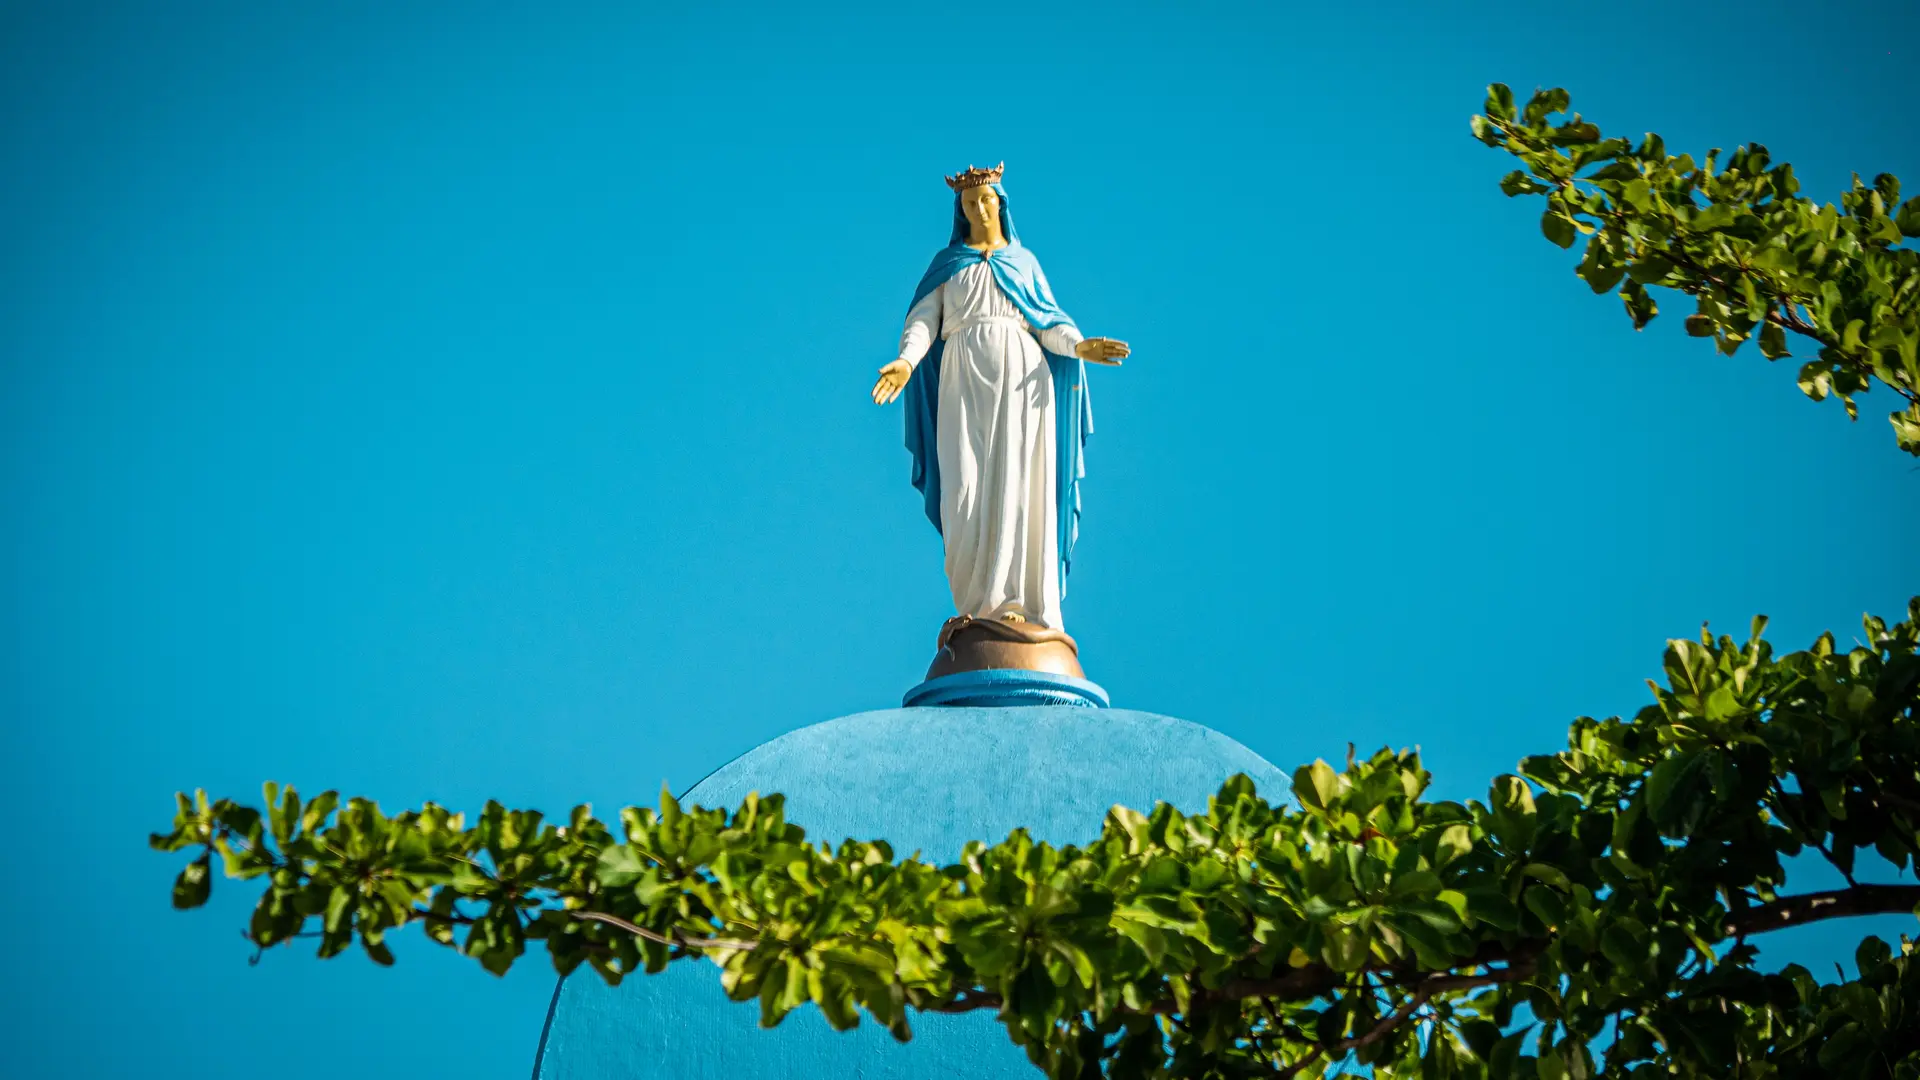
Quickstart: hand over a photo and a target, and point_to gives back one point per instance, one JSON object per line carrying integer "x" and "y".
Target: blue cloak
{"x": 1018, "y": 274}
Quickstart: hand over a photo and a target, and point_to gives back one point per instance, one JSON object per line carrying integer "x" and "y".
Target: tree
{"x": 1594, "y": 914}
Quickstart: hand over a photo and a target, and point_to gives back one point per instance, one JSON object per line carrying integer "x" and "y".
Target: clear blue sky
{"x": 452, "y": 401}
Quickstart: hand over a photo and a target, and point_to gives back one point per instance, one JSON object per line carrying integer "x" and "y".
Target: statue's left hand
{"x": 1102, "y": 350}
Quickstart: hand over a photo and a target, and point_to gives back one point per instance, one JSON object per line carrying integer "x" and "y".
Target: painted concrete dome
{"x": 927, "y": 779}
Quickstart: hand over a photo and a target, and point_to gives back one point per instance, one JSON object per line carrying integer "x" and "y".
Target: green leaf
{"x": 1552, "y": 875}
{"x": 1455, "y": 841}
{"x": 1499, "y": 103}
{"x": 195, "y": 883}
{"x": 1650, "y": 267}
{"x": 1494, "y": 909}
{"x": 1816, "y": 379}
{"x": 1434, "y": 913}
{"x": 620, "y": 866}
{"x": 1316, "y": 785}
{"x": 1639, "y": 304}
{"x": 1673, "y": 785}
{"x": 1079, "y": 961}
{"x": 1603, "y": 275}
{"x": 377, "y": 951}
{"x": 1773, "y": 341}
{"x": 1512, "y": 795}
{"x": 1906, "y": 428}
{"x": 1616, "y": 170}
{"x": 1548, "y": 906}
{"x": 1908, "y": 219}
{"x": 339, "y": 906}
{"x": 1543, "y": 104}
{"x": 318, "y": 810}
{"x": 1558, "y": 228}
{"x": 1345, "y": 949}
{"x": 1518, "y": 182}
{"x": 1428, "y": 942}
{"x": 1723, "y": 704}
{"x": 1513, "y": 812}
{"x": 1418, "y": 883}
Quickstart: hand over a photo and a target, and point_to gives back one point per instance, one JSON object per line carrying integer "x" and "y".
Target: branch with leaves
{"x": 1611, "y": 887}
{"x": 1760, "y": 260}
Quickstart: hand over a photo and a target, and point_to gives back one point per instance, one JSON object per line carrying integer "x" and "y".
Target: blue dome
{"x": 927, "y": 779}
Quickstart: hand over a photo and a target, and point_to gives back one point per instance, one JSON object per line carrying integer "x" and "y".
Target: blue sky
{"x": 451, "y": 402}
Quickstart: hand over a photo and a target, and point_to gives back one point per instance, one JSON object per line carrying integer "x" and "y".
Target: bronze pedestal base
{"x": 970, "y": 644}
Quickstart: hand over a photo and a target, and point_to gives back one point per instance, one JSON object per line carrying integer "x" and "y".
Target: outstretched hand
{"x": 1102, "y": 350}
{"x": 893, "y": 379}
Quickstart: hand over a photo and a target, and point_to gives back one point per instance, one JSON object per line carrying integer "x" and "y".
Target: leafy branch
{"x": 1613, "y": 883}
{"x": 1759, "y": 259}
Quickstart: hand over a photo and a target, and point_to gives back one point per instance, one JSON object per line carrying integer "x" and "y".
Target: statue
{"x": 997, "y": 416}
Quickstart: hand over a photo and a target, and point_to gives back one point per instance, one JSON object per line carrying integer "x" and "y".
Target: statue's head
{"x": 978, "y": 191}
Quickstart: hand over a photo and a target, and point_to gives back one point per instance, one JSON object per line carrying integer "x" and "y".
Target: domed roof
{"x": 925, "y": 779}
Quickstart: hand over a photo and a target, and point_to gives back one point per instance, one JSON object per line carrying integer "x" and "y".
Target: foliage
{"x": 1593, "y": 915}
{"x": 1759, "y": 259}
{"x": 1604, "y": 896}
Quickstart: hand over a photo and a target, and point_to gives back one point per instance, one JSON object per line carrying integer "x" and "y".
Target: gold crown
{"x": 973, "y": 177}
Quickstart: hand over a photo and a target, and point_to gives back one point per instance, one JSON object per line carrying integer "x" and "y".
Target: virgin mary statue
{"x": 997, "y": 412}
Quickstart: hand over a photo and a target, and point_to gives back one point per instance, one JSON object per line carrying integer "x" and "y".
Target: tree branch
{"x": 1301, "y": 984}
{"x": 1316, "y": 980}
{"x": 1818, "y": 907}
{"x": 968, "y": 1001}
{"x": 1789, "y": 318}
{"x": 664, "y": 939}
{"x": 1421, "y": 994}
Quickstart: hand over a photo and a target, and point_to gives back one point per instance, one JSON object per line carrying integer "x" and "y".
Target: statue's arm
{"x": 1061, "y": 339}
{"x": 923, "y": 325}
{"x": 1066, "y": 340}
{"x": 923, "y": 322}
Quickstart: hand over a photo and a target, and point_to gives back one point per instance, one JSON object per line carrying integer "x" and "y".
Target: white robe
{"x": 998, "y": 510}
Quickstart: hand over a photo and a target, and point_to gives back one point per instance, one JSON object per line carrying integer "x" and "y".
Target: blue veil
{"x": 1018, "y": 274}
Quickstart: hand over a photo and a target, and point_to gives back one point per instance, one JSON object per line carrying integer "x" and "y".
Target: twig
{"x": 968, "y": 1001}
{"x": 664, "y": 939}
{"x": 260, "y": 950}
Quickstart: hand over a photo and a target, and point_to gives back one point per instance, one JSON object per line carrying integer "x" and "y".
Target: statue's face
{"x": 982, "y": 206}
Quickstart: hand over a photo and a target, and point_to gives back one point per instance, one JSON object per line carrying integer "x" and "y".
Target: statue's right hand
{"x": 893, "y": 379}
